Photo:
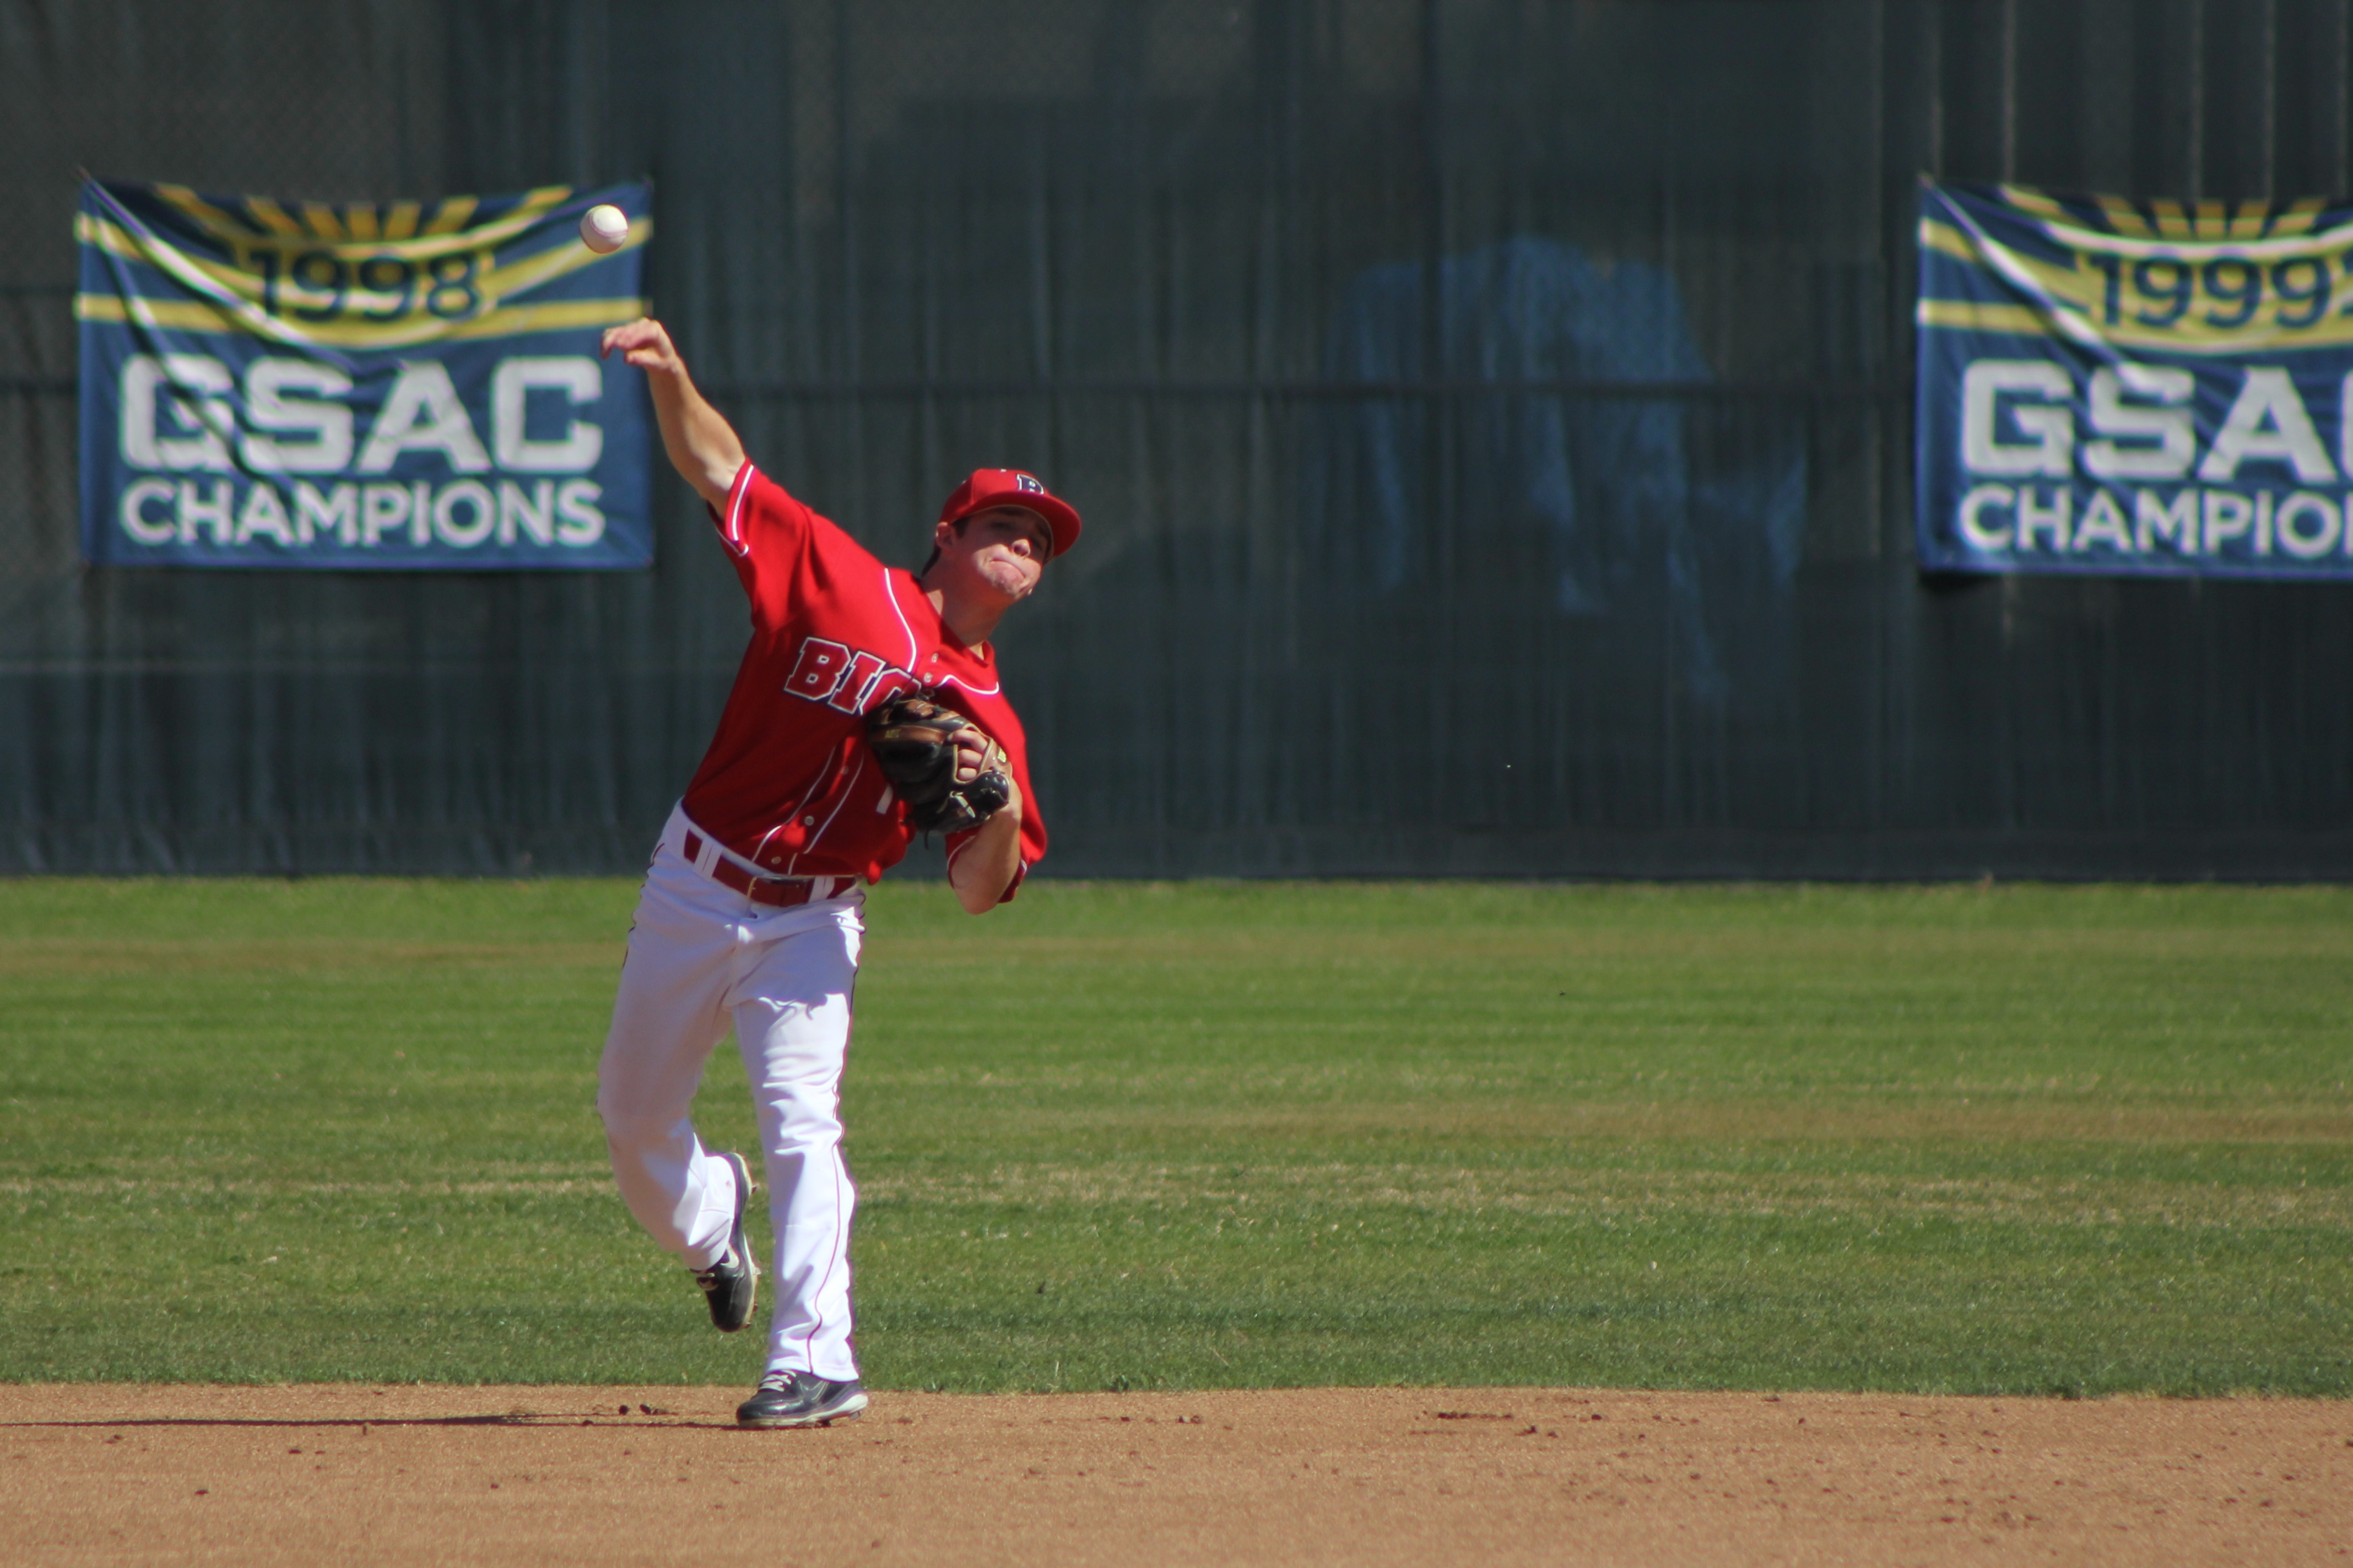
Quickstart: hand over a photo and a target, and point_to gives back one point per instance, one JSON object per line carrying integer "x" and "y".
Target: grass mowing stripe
{"x": 1135, "y": 1135}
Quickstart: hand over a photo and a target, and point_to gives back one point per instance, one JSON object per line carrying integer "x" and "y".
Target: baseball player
{"x": 750, "y": 914}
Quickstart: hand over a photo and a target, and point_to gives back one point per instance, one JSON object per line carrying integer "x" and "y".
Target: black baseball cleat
{"x": 800, "y": 1399}
{"x": 732, "y": 1281}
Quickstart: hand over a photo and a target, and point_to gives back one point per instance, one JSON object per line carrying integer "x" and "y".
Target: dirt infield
{"x": 355, "y": 1474}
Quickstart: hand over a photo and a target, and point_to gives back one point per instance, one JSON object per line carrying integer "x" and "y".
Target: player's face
{"x": 1005, "y": 547}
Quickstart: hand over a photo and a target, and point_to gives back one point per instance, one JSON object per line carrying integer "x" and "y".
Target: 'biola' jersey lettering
{"x": 789, "y": 783}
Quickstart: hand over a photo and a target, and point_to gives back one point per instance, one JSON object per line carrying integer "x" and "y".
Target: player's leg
{"x": 669, "y": 1011}
{"x": 793, "y": 1022}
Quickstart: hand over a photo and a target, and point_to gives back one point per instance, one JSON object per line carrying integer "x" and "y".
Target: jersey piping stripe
{"x": 891, "y": 592}
{"x": 838, "y": 805}
{"x": 741, "y": 488}
{"x": 798, "y": 806}
{"x": 889, "y": 589}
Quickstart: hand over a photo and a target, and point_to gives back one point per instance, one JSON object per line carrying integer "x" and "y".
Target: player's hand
{"x": 645, "y": 344}
{"x": 976, "y": 755}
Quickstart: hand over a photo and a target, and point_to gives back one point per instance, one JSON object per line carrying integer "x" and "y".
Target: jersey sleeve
{"x": 766, "y": 530}
{"x": 782, "y": 549}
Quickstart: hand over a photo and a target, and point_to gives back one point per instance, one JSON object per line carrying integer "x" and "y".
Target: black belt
{"x": 777, "y": 892}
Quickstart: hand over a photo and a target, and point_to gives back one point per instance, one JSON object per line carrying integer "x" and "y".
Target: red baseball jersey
{"x": 788, "y": 781}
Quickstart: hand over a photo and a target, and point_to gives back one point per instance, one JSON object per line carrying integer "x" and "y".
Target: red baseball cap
{"x": 1012, "y": 486}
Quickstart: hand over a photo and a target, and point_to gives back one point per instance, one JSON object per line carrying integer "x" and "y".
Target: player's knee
{"x": 626, "y": 1130}
{"x": 610, "y": 1109}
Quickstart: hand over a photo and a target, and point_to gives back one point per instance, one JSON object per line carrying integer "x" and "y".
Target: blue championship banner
{"x": 402, "y": 386}
{"x": 2134, "y": 388}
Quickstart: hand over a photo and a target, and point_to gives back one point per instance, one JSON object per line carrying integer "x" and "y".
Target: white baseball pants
{"x": 702, "y": 956}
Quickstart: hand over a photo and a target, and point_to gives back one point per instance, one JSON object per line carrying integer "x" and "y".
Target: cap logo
{"x": 1029, "y": 485}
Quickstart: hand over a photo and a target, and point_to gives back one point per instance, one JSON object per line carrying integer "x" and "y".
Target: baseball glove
{"x": 914, "y": 739}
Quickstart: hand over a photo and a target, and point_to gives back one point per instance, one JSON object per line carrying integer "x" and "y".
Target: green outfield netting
{"x": 1491, "y": 417}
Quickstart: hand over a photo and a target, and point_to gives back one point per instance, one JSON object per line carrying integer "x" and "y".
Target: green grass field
{"x": 2006, "y": 1140}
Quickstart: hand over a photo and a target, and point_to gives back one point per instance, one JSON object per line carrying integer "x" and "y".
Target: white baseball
{"x": 604, "y": 228}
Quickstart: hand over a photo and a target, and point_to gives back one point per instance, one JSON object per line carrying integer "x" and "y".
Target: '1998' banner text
{"x": 401, "y": 386}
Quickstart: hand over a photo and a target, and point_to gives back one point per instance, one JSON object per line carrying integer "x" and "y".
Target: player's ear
{"x": 941, "y": 534}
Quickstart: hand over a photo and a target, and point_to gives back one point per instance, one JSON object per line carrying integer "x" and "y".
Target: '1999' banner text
{"x": 2138, "y": 389}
